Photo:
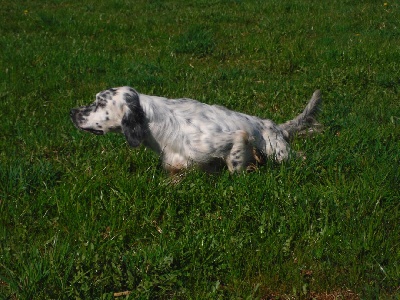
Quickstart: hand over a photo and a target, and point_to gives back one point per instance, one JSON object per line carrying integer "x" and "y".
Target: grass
{"x": 84, "y": 217}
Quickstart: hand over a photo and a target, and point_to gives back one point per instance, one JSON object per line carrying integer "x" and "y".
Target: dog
{"x": 187, "y": 133}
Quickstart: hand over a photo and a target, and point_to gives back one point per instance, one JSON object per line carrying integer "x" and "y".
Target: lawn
{"x": 87, "y": 217}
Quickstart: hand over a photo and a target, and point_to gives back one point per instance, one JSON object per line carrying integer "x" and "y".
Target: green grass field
{"x": 84, "y": 216}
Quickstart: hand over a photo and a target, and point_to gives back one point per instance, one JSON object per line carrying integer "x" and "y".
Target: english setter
{"x": 189, "y": 133}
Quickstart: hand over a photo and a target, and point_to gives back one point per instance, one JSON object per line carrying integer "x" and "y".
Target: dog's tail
{"x": 305, "y": 122}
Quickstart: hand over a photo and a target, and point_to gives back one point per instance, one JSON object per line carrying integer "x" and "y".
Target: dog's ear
{"x": 134, "y": 120}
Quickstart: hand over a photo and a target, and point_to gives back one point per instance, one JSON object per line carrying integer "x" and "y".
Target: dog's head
{"x": 115, "y": 110}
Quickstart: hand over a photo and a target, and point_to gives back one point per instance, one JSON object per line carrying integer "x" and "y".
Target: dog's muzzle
{"x": 77, "y": 118}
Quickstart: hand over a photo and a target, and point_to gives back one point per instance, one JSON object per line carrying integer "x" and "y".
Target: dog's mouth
{"x": 94, "y": 131}
{"x": 91, "y": 130}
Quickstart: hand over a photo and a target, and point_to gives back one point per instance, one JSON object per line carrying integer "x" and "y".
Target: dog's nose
{"x": 74, "y": 115}
{"x": 73, "y": 112}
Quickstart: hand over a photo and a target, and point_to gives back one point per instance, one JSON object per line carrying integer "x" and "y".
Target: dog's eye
{"x": 98, "y": 105}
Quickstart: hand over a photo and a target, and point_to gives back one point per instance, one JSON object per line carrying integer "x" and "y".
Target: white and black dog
{"x": 189, "y": 133}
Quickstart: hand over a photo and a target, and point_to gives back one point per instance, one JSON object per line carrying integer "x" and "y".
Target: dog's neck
{"x": 162, "y": 123}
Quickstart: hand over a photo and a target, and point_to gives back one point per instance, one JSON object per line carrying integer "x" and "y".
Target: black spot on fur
{"x": 131, "y": 90}
{"x": 134, "y": 121}
{"x": 227, "y": 146}
{"x": 103, "y": 97}
{"x": 113, "y": 91}
{"x": 88, "y": 109}
{"x": 204, "y": 116}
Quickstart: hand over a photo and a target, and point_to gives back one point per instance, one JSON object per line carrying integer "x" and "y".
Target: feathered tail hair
{"x": 306, "y": 121}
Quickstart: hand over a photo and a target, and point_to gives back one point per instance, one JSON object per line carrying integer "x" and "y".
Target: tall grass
{"x": 84, "y": 216}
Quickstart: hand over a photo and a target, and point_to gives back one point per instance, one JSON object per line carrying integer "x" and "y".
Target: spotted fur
{"x": 188, "y": 133}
